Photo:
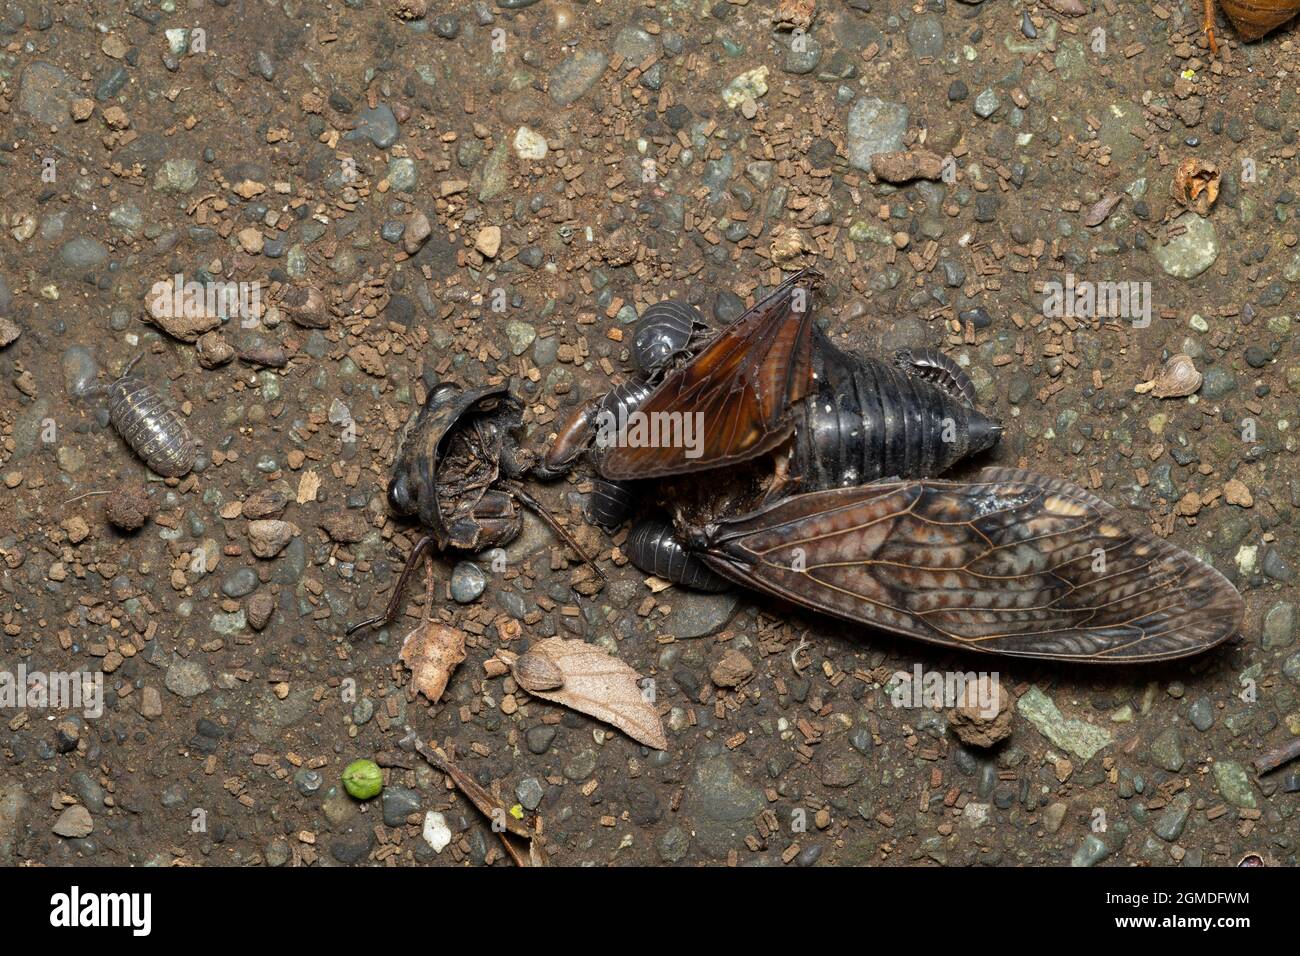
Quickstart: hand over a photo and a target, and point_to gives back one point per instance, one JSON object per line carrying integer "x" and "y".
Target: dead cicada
{"x": 812, "y": 478}
{"x": 456, "y": 456}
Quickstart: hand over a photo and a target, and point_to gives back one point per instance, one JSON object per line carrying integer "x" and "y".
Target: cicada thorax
{"x": 866, "y": 420}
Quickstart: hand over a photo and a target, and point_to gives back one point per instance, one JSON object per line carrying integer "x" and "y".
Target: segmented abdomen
{"x": 609, "y": 503}
{"x": 155, "y": 432}
{"x": 654, "y": 549}
{"x": 868, "y": 421}
{"x": 662, "y": 333}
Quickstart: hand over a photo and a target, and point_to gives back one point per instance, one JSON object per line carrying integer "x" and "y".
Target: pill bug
{"x": 937, "y": 369}
{"x": 654, "y": 549}
{"x": 609, "y": 503}
{"x": 154, "y": 431}
{"x": 664, "y": 332}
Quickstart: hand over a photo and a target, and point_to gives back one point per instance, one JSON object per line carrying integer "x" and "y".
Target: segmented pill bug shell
{"x": 938, "y": 369}
{"x": 154, "y": 431}
{"x": 653, "y": 548}
{"x": 662, "y": 333}
{"x": 608, "y": 504}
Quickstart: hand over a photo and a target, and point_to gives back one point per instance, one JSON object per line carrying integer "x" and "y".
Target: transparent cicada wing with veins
{"x": 1013, "y": 563}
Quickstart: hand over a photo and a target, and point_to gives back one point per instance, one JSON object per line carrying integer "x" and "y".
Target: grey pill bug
{"x": 154, "y": 430}
{"x": 664, "y": 332}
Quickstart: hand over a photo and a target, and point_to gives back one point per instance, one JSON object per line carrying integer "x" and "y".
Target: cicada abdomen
{"x": 866, "y": 420}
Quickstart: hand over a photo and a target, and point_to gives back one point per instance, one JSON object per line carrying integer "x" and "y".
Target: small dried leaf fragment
{"x": 432, "y": 651}
{"x": 1101, "y": 211}
{"x": 593, "y": 683}
{"x": 536, "y": 672}
{"x": 1195, "y": 185}
{"x": 794, "y": 14}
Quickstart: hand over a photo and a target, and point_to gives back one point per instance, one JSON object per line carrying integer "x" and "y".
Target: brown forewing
{"x": 741, "y": 385}
{"x": 1013, "y": 563}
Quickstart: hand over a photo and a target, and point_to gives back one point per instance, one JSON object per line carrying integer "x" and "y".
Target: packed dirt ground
{"x": 414, "y": 193}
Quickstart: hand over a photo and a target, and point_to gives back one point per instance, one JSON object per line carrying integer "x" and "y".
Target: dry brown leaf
{"x": 1195, "y": 185}
{"x": 593, "y": 683}
{"x": 433, "y": 650}
{"x": 1101, "y": 211}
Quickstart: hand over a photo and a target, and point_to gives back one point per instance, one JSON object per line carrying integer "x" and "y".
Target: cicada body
{"x": 450, "y": 455}
{"x": 814, "y": 481}
{"x": 864, "y": 420}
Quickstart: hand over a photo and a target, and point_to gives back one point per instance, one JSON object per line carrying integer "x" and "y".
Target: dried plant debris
{"x": 587, "y": 679}
{"x": 9, "y": 332}
{"x": 1178, "y": 379}
{"x": 493, "y": 807}
{"x": 1101, "y": 210}
{"x": 979, "y": 720}
{"x": 1195, "y": 185}
{"x": 794, "y": 14}
{"x": 432, "y": 650}
{"x": 905, "y": 165}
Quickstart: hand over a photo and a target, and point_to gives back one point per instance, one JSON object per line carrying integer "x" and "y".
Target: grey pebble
{"x": 540, "y": 738}
{"x": 1201, "y": 714}
{"x": 239, "y": 583}
{"x": 987, "y": 103}
{"x": 468, "y": 582}
{"x": 576, "y": 75}
{"x": 530, "y": 793}
{"x": 399, "y": 803}
{"x": 83, "y": 253}
{"x": 378, "y": 125}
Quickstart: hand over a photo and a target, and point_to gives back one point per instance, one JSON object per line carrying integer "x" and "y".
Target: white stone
{"x": 530, "y": 144}
{"x": 436, "y": 832}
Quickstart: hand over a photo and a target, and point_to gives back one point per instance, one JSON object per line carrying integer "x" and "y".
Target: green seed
{"x": 363, "y": 779}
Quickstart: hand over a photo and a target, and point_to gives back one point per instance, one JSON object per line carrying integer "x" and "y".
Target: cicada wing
{"x": 1013, "y": 563}
{"x": 737, "y": 391}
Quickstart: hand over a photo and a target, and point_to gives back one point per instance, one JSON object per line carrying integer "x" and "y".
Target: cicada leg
{"x": 395, "y": 602}
{"x": 1208, "y": 26}
{"x": 537, "y": 508}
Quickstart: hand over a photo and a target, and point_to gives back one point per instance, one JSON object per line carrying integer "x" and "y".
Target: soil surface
{"x": 411, "y": 193}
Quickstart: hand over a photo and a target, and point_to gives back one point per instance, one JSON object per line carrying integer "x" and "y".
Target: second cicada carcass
{"x": 456, "y": 456}
{"x": 811, "y": 474}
